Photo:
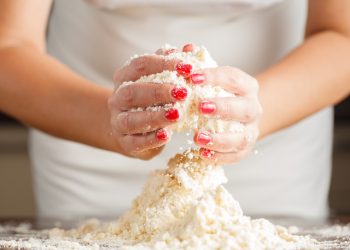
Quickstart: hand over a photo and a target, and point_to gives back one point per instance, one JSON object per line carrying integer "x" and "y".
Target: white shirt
{"x": 289, "y": 175}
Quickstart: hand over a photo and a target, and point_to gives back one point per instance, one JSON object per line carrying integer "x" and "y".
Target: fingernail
{"x": 183, "y": 69}
{"x": 172, "y": 114}
{"x": 203, "y": 138}
{"x": 207, "y": 107}
{"x": 207, "y": 153}
{"x": 187, "y": 47}
{"x": 162, "y": 134}
{"x": 197, "y": 78}
{"x": 179, "y": 93}
{"x": 170, "y": 51}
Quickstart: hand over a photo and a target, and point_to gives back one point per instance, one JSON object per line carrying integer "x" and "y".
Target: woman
{"x": 60, "y": 88}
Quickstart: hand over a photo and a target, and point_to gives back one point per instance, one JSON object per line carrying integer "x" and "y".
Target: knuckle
{"x": 149, "y": 120}
{"x": 111, "y": 102}
{"x": 160, "y": 51}
{"x": 250, "y": 111}
{"x": 140, "y": 64}
{"x": 129, "y": 145}
{"x": 226, "y": 110}
{"x": 114, "y": 126}
{"x": 135, "y": 143}
{"x": 244, "y": 143}
{"x": 126, "y": 96}
{"x": 223, "y": 109}
{"x": 123, "y": 123}
{"x": 158, "y": 94}
{"x": 169, "y": 64}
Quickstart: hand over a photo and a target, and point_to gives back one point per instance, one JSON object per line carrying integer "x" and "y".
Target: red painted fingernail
{"x": 188, "y": 47}
{"x": 179, "y": 93}
{"x": 197, "y": 78}
{"x": 203, "y": 138}
{"x": 207, "y": 107}
{"x": 183, "y": 69}
{"x": 162, "y": 134}
{"x": 207, "y": 153}
{"x": 172, "y": 114}
{"x": 170, "y": 51}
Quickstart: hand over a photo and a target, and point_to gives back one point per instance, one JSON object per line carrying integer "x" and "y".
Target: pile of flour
{"x": 185, "y": 206}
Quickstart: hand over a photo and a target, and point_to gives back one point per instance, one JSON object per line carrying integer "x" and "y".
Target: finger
{"x": 223, "y": 158}
{"x": 148, "y": 154}
{"x": 135, "y": 144}
{"x": 188, "y": 47}
{"x": 136, "y": 95}
{"x": 223, "y": 142}
{"x": 165, "y": 52}
{"x": 144, "y": 65}
{"x": 144, "y": 121}
{"x": 231, "y": 79}
{"x": 240, "y": 109}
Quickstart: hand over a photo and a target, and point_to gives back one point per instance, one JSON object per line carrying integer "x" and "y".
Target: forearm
{"x": 42, "y": 93}
{"x": 313, "y": 76}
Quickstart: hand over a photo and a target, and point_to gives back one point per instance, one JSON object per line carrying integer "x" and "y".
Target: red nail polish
{"x": 203, "y": 138}
{"x": 179, "y": 93}
{"x": 184, "y": 69}
{"x": 188, "y": 47}
{"x": 197, "y": 78}
{"x": 207, "y": 107}
{"x": 162, "y": 134}
{"x": 172, "y": 114}
{"x": 207, "y": 153}
{"x": 170, "y": 51}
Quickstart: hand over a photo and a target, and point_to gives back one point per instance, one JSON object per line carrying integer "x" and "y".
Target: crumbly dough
{"x": 185, "y": 206}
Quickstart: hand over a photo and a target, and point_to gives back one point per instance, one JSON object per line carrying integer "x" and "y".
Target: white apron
{"x": 289, "y": 175}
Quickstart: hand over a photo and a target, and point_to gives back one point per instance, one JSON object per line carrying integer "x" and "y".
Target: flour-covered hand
{"x": 244, "y": 107}
{"x": 142, "y": 132}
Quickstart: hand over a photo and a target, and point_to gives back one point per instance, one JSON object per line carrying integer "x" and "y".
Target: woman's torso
{"x": 288, "y": 175}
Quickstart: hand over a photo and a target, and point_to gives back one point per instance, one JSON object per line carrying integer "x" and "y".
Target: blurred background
{"x": 16, "y": 196}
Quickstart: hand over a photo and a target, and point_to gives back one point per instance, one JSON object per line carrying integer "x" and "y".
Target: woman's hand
{"x": 230, "y": 147}
{"x": 143, "y": 133}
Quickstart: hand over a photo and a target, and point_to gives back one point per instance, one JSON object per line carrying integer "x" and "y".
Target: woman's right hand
{"x": 143, "y": 133}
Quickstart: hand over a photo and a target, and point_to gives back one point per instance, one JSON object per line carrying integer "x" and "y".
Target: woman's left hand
{"x": 230, "y": 147}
